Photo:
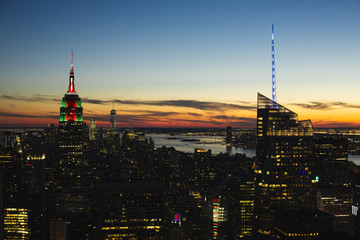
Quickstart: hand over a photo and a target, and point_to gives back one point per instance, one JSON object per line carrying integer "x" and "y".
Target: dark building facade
{"x": 331, "y": 155}
{"x": 337, "y": 200}
{"x": 229, "y": 136}
{"x": 240, "y": 190}
{"x": 132, "y": 211}
{"x": 113, "y": 120}
{"x": 302, "y": 224}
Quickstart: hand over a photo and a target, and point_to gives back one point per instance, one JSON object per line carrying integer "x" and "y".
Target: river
{"x": 187, "y": 144}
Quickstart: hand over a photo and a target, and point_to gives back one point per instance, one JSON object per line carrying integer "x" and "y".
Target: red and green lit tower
{"x": 71, "y": 109}
{"x": 72, "y": 199}
{"x": 70, "y": 178}
{"x": 71, "y": 126}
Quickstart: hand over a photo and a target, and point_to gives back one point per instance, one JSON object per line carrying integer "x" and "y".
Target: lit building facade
{"x": 132, "y": 211}
{"x": 284, "y": 171}
{"x": 16, "y": 223}
{"x": 92, "y": 129}
{"x": 219, "y": 217}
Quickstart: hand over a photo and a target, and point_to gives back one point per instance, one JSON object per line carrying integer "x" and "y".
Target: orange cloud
{"x": 40, "y": 110}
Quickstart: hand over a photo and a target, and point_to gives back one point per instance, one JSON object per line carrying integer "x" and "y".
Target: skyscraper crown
{"x": 71, "y": 109}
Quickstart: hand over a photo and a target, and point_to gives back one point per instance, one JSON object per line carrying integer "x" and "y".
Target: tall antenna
{"x": 273, "y": 67}
{"x": 72, "y": 60}
{"x": 71, "y": 79}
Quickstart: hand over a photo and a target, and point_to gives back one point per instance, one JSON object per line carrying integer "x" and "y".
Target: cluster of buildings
{"x": 80, "y": 182}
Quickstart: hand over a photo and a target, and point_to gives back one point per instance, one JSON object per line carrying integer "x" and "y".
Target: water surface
{"x": 187, "y": 144}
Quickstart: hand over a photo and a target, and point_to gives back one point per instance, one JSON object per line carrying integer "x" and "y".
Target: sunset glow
{"x": 179, "y": 66}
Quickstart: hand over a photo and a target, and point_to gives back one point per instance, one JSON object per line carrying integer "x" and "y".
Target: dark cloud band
{"x": 325, "y": 105}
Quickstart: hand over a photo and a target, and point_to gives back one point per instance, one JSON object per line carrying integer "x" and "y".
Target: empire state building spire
{"x": 72, "y": 78}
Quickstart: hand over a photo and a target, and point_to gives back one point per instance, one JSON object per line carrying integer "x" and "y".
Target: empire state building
{"x": 72, "y": 199}
{"x": 71, "y": 125}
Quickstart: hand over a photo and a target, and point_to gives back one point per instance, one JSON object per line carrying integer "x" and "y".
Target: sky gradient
{"x": 179, "y": 63}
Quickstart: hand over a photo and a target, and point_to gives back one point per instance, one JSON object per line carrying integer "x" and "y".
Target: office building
{"x": 16, "y": 223}
{"x": 92, "y": 129}
{"x": 240, "y": 191}
{"x": 284, "y": 171}
{"x": 11, "y": 176}
{"x": 304, "y": 224}
{"x": 332, "y": 165}
{"x": 337, "y": 200}
{"x": 219, "y": 217}
{"x": 132, "y": 211}
{"x": 57, "y": 229}
{"x": 201, "y": 170}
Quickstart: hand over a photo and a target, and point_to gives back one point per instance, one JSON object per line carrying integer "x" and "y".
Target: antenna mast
{"x": 273, "y": 67}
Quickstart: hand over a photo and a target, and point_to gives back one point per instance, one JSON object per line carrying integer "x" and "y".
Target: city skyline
{"x": 180, "y": 64}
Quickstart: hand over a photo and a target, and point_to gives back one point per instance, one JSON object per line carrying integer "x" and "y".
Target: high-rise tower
{"x": 113, "y": 119}
{"x": 71, "y": 129}
{"x": 72, "y": 201}
{"x": 71, "y": 124}
{"x": 92, "y": 129}
{"x": 285, "y": 164}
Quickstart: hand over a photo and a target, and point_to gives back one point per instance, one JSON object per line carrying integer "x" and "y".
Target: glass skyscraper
{"x": 284, "y": 162}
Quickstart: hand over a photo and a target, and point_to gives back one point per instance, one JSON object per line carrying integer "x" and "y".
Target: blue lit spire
{"x": 273, "y": 67}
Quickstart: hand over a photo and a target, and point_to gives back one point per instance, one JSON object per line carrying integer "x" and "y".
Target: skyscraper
{"x": 92, "y": 129}
{"x": 332, "y": 165}
{"x": 57, "y": 229}
{"x": 71, "y": 200}
{"x": 16, "y": 223}
{"x": 229, "y": 137}
{"x": 71, "y": 126}
{"x": 336, "y": 200}
{"x": 113, "y": 119}
{"x": 284, "y": 162}
{"x": 201, "y": 170}
{"x": 240, "y": 191}
{"x": 132, "y": 210}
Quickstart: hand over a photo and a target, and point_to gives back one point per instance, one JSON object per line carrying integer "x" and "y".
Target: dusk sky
{"x": 179, "y": 63}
